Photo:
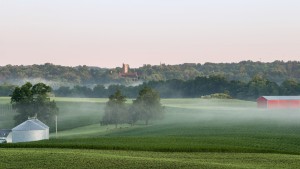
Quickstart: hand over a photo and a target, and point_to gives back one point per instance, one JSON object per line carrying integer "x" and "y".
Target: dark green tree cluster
{"x": 145, "y": 107}
{"x": 33, "y": 100}
{"x": 276, "y": 71}
{"x": 198, "y": 87}
{"x": 207, "y": 85}
{"x": 57, "y": 75}
{"x": 115, "y": 110}
{"x": 99, "y": 91}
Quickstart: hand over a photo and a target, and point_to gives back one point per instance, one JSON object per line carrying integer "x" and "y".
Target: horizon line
{"x": 161, "y": 63}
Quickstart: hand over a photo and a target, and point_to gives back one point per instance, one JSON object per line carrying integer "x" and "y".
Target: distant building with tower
{"x": 127, "y": 74}
{"x": 125, "y": 68}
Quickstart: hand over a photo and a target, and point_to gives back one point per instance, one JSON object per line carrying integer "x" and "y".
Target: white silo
{"x": 43, "y": 125}
{"x": 30, "y": 130}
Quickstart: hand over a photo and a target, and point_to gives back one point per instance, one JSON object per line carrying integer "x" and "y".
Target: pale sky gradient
{"x": 107, "y": 33}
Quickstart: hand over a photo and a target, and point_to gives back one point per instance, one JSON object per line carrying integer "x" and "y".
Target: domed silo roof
{"x": 40, "y": 123}
{"x": 29, "y": 125}
{"x": 43, "y": 125}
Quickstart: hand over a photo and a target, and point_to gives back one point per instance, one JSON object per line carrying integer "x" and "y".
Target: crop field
{"x": 194, "y": 133}
{"x": 73, "y": 158}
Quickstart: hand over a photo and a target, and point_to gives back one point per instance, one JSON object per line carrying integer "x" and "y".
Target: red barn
{"x": 278, "y": 102}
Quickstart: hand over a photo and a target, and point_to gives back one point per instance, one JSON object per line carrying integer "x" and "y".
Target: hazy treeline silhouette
{"x": 197, "y": 87}
{"x": 57, "y": 75}
{"x": 6, "y": 89}
{"x": 276, "y": 71}
{"x": 200, "y": 86}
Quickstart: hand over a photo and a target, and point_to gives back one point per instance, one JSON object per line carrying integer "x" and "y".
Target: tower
{"x": 125, "y": 68}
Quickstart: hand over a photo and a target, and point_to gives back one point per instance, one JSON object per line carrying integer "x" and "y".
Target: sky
{"x": 107, "y": 33}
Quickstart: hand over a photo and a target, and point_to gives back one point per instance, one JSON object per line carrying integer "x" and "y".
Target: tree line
{"x": 56, "y": 75}
{"x": 276, "y": 71}
{"x": 200, "y": 86}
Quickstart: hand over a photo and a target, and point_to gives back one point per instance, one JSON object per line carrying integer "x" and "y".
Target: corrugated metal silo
{"x": 30, "y": 130}
{"x": 43, "y": 125}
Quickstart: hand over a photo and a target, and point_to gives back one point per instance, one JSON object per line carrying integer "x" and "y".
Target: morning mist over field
{"x": 150, "y": 84}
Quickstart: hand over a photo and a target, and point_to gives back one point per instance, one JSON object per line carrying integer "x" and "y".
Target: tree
{"x": 290, "y": 87}
{"x": 147, "y": 105}
{"x": 99, "y": 91}
{"x": 115, "y": 110}
{"x": 63, "y": 91}
{"x": 29, "y": 101}
{"x": 260, "y": 86}
{"x": 133, "y": 114}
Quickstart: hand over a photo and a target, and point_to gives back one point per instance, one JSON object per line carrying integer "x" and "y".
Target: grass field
{"x": 194, "y": 133}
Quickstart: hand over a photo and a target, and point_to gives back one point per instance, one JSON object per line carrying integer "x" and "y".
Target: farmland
{"x": 194, "y": 133}
{"x": 72, "y": 158}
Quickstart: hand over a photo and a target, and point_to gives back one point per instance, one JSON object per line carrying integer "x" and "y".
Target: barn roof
{"x": 282, "y": 97}
{"x": 4, "y": 133}
{"x": 31, "y": 124}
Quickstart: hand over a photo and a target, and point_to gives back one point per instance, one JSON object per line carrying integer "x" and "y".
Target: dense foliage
{"x": 245, "y": 80}
{"x": 276, "y": 71}
{"x": 145, "y": 107}
{"x": 115, "y": 110}
{"x": 33, "y": 100}
{"x": 56, "y": 75}
{"x": 198, "y": 87}
{"x": 217, "y": 96}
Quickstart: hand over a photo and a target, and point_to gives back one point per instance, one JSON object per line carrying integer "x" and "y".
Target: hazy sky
{"x": 107, "y": 33}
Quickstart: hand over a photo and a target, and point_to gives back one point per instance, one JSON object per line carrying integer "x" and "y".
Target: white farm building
{"x": 30, "y": 130}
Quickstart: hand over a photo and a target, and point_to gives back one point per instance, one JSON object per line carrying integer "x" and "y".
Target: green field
{"x": 194, "y": 133}
{"x": 72, "y": 158}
